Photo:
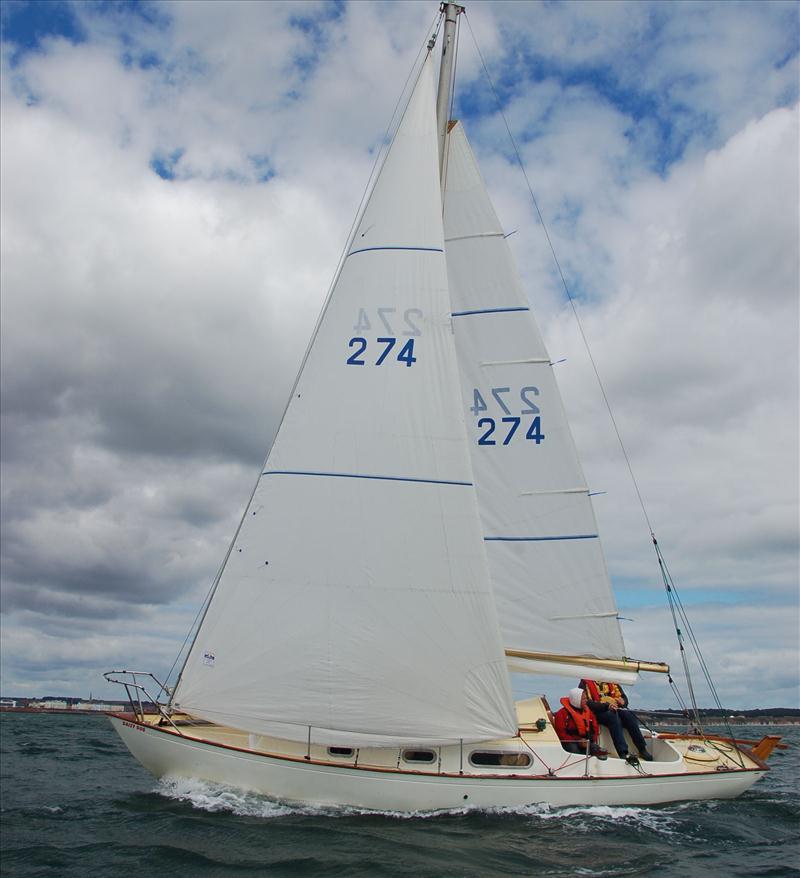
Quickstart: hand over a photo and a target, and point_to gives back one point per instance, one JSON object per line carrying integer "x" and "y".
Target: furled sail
{"x": 356, "y": 599}
{"x": 549, "y": 576}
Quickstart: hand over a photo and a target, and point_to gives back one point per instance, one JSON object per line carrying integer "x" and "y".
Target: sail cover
{"x": 356, "y": 602}
{"x": 549, "y": 576}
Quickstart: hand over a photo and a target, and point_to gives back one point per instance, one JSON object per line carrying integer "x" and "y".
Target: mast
{"x": 451, "y": 12}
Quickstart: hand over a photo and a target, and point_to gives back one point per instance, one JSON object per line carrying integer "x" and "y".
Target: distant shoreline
{"x": 661, "y": 722}
{"x": 722, "y": 721}
{"x": 61, "y": 710}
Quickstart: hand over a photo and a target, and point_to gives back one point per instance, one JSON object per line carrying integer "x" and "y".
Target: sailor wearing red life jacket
{"x": 609, "y": 704}
{"x": 576, "y": 725}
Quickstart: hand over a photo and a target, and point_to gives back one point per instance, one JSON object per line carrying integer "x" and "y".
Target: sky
{"x": 178, "y": 181}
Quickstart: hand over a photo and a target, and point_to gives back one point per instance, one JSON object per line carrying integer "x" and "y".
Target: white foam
{"x": 654, "y": 820}
{"x": 208, "y": 796}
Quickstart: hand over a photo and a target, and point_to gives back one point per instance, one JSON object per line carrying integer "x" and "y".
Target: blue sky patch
{"x": 150, "y": 13}
{"x": 26, "y": 23}
{"x": 316, "y": 28}
{"x": 662, "y": 125}
{"x": 647, "y": 113}
{"x": 164, "y": 164}
{"x": 262, "y": 168}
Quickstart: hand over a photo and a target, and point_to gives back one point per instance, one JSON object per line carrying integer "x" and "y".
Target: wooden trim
{"x": 624, "y": 664}
{"x": 455, "y": 775}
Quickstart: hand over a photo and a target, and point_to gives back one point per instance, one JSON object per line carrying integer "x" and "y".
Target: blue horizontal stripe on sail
{"x": 295, "y": 472}
{"x": 424, "y": 249}
{"x": 487, "y": 311}
{"x": 541, "y": 539}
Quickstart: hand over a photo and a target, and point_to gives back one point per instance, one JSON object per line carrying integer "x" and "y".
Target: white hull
{"x": 295, "y": 779}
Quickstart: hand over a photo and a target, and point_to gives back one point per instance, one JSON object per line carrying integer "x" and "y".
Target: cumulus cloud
{"x": 178, "y": 181}
{"x": 698, "y": 344}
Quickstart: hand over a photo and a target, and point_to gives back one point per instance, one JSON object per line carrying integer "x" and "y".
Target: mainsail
{"x": 551, "y": 586}
{"x": 356, "y": 602}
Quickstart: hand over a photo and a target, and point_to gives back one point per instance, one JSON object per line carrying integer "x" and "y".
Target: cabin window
{"x": 418, "y": 756}
{"x": 341, "y": 752}
{"x": 500, "y": 758}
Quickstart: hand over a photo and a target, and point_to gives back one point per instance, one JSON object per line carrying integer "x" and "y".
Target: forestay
{"x": 551, "y": 585}
{"x": 356, "y": 599}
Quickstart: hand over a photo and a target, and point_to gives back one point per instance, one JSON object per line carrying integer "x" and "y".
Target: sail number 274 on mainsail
{"x": 386, "y": 344}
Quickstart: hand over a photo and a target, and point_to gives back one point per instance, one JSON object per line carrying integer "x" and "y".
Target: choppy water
{"x": 74, "y": 803}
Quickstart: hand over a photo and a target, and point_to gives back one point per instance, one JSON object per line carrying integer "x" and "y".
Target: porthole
{"x": 341, "y": 752}
{"x": 419, "y": 756}
{"x": 499, "y": 758}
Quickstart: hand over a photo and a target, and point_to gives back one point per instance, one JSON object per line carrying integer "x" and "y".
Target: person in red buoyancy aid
{"x": 576, "y": 725}
{"x": 609, "y": 703}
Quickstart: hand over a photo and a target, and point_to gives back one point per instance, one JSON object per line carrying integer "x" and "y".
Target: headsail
{"x": 356, "y": 599}
{"x": 551, "y": 586}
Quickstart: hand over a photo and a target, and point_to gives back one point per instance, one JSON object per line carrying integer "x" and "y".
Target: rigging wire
{"x": 675, "y": 604}
{"x": 677, "y": 608}
{"x": 561, "y": 276}
{"x": 189, "y": 632}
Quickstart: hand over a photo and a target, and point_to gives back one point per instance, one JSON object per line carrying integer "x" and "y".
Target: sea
{"x": 73, "y": 802}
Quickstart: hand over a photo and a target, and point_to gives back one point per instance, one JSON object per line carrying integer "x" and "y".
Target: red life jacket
{"x": 583, "y": 721}
{"x": 598, "y": 690}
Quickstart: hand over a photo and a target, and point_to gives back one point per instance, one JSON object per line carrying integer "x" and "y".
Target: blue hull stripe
{"x": 424, "y": 249}
{"x": 540, "y": 539}
{"x": 487, "y": 311}
{"x": 290, "y": 472}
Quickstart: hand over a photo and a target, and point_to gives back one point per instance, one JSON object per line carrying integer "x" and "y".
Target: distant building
{"x": 96, "y": 705}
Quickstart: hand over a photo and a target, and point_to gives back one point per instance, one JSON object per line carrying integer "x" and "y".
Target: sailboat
{"x": 420, "y": 528}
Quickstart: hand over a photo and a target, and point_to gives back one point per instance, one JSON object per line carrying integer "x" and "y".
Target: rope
{"x": 679, "y": 698}
{"x": 530, "y": 747}
{"x": 677, "y": 609}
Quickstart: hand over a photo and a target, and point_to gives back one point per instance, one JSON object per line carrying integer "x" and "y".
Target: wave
{"x": 213, "y": 797}
{"x": 33, "y": 748}
{"x": 664, "y": 821}
{"x": 216, "y": 797}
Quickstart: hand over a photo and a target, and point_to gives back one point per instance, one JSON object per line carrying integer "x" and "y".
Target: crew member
{"x": 609, "y": 704}
{"x": 576, "y": 726}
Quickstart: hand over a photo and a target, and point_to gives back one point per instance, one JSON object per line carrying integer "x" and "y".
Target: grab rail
{"x": 132, "y": 683}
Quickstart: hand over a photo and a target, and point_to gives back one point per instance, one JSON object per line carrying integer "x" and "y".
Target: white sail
{"x": 356, "y": 599}
{"x": 551, "y": 586}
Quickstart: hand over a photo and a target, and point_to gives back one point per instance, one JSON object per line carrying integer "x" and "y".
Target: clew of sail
{"x": 551, "y": 585}
{"x": 356, "y": 604}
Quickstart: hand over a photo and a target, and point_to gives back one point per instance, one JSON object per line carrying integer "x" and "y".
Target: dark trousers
{"x": 617, "y": 720}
